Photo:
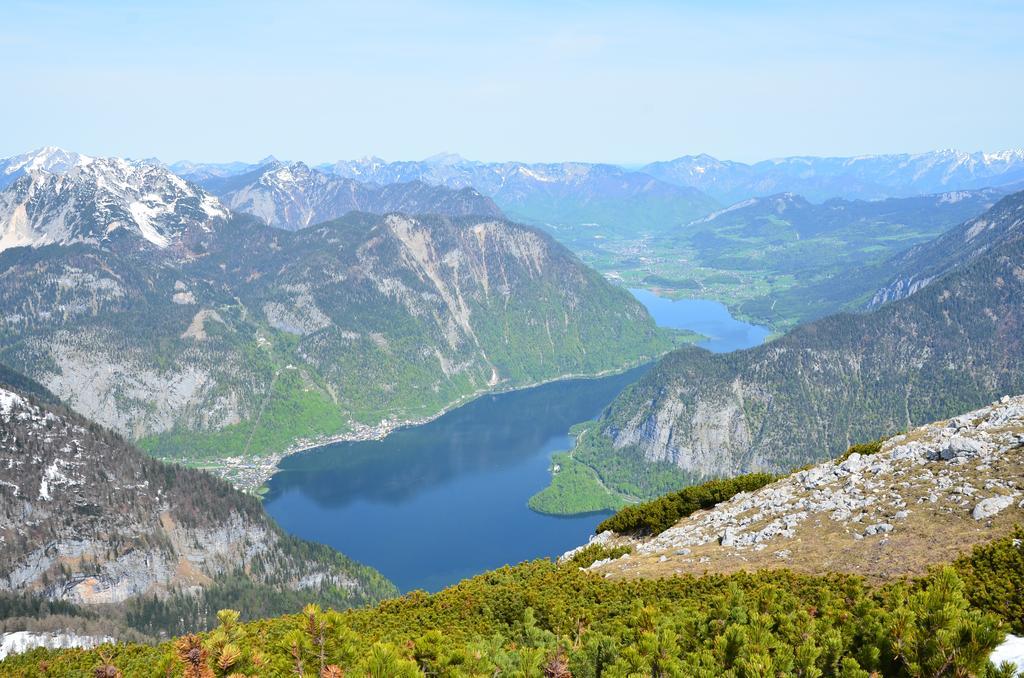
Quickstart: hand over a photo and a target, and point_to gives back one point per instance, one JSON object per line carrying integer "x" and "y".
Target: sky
{"x": 625, "y": 82}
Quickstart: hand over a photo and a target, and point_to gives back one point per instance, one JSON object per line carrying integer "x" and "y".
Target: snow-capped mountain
{"x": 293, "y": 196}
{"x": 446, "y": 169}
{"x": 50, "y": 159}
{"x": 60, "y": 198}
{"x": 867, "y": 177}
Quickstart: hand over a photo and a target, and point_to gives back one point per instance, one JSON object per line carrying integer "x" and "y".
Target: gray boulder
{"x": 986, "y": 508}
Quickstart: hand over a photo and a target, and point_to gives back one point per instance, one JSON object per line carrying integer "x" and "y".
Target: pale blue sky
{"x": 546, "y": 80}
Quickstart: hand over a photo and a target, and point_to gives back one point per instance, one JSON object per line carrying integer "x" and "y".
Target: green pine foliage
{"x": 654, "y": 517}
{"x": 591, "y": 553}
{"x": 994, "y": 576}
{"x": 863, "y": 449}
{"x": 541, "y": 619}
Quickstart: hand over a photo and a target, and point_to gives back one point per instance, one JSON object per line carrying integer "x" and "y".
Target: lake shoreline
{"x": 452, "y": 491}
{"x": 268, "y": 464}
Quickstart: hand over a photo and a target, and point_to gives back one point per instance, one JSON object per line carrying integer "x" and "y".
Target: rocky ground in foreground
{"x": 926, "y": 497}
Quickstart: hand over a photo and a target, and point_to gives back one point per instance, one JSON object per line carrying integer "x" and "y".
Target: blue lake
{"x": 430, "y": 505}
{"x": 710, "y": 318}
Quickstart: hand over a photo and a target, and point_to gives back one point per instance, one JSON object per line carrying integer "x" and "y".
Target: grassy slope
{"x": 593, "y": 476}
{"x": 293, "y": 409}
{"x": 575, "y": 488}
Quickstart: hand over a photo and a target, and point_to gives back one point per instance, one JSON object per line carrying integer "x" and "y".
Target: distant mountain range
{"x": 953, "y": 344}
{"x": 293, "y": 196}
{"x": 648, "y": 200}
{"x": 866, "y": 177}
{"x": 56, "y": 196}
{"x": 869, "y": 177}
{"x": 549, "y": 194}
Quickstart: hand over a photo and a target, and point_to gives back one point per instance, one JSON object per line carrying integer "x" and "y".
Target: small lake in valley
{"x": 711, "y": 318}
{"x": 430, "y": 505}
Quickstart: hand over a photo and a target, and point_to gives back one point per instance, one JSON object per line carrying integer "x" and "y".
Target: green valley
{"x": 777, "y": 260}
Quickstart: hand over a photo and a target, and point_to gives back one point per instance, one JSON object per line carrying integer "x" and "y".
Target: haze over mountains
{"x": 867, "y": 177}
{"x": 531, "y": 191}
{"x": 806, "y": 259}
{"x": 658, "y": 196}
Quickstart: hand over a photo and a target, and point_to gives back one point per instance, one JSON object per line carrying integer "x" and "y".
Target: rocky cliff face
{"x": 88, "y": 519}
{"x": 925, "y": 497}
{"x": 954, "y": 344}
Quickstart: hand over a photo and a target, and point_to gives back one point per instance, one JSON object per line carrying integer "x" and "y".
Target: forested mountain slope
{"x": 920, "y": 265}
{"x": 85, "y": 518}
{"x": 955, "y": 344}
{"x": 246, "y": 338}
